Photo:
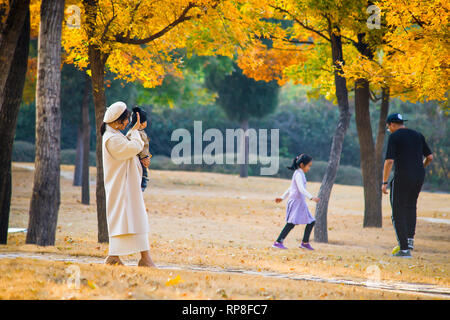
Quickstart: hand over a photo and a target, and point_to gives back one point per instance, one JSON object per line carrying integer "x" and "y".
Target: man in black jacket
{"x": 406, "y": 151}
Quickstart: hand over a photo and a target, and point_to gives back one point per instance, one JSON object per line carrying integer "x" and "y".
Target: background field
{"x": 225, "y": 222}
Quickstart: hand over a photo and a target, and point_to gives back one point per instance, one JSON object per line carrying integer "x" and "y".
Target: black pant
{"x": 144, "y": 177}
{"x": 289, "y": 226}
{"x": 404, "y": 193}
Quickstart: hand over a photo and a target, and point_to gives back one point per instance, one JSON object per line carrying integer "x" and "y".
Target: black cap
{"x": 395, "y": 117}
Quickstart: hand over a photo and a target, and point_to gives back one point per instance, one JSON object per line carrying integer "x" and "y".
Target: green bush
{"x": 23, "y": 151}
{"x": 68, "y": 156}
{"x": 346, "y": 174}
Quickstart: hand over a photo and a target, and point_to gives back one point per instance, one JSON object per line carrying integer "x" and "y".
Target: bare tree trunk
{"x": 244, "y": 166}
{"x": 381, "y": 136}
{"x": 97, "y": 62}
{"x": 372, "y": 196}
{"x": 86, "y": 145}
{"x": 45, "y": 198}
{"x": 10, "y": 32}
{"x": 372, "y": 193}
{"x": 78, "y": 155}
{"x": 8, "y": 119}
{"x": 321, "y": 232}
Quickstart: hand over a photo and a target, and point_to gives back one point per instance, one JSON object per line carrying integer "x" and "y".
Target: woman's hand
{"x": 145, "y": 162}
{"x": 278, "y": 200}
{"x": 137, "y": 125}
{"x": 316, "y": 200}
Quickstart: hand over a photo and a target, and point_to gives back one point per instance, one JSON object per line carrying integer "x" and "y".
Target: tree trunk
{"x": 321, "y": 232}
{"x": 8, "y": 119}
{"x": 79, "y": 155}
{"x": 381, "y": 135}
{"x": 97, "y": 62}
{"x": 244, "y": 166}
{"x": 85, "y": 199}
{"x": 10, "y": 32}
{"x": 45, "y": 199}
{"x": 372, "y": 193}
{"x": 98, "y": 91}
{"x": 372, "y": 196}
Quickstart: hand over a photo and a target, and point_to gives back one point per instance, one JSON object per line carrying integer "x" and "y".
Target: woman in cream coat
{"x": 125, "y": 209}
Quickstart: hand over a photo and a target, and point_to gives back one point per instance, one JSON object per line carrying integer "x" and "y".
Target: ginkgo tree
{"x": 138, "y": 41}
{"x": 373, "y": 63}
{"x": 309, "y": 50}
{"x": 414, "y": 54}
{"x": 406, "y": 57}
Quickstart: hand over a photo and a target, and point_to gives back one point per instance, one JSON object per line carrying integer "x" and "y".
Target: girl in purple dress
{"x": 297, "y": 211}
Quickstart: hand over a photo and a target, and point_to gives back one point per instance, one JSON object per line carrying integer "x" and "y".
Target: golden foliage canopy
{"x": 143, "y": 40}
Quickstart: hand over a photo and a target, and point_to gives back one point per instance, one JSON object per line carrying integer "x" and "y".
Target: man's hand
{"x": 316, "y": 200}
{"x": 427, "y": 160}
{"x": 388, "y": 163}
{"x": 278, "y": 200}
{"x": 145, "y": 162}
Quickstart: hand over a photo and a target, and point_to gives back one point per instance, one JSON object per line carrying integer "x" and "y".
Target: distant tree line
{"x": 305, "y": 126}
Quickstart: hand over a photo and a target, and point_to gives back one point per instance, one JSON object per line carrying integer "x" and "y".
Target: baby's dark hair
{"x": 303, "y": 158}
{"x": 142, "y": 116}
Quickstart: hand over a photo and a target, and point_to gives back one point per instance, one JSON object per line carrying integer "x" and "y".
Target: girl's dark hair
{"x": 303, "y": 158}
{"x": 121, "y": 119}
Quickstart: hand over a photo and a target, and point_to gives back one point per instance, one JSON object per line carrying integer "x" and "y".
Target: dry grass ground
{"x": 208, "y": 219}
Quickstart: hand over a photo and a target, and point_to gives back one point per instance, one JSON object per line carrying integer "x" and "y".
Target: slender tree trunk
{"x": 372, "y": 193}
{"x": 8, "y": 119}
{"x": 372, "y": 196}
{"x": 81, "y": 135}
{"x": 86, "y": 145}
{"x": 98, "y": 91}
{"x": 45, "y": 198}
{"x": 244, "y": 166}
{"x": 97, "y": 62}
{"x": 10, "y": 32}
{"x": 384, "y": 110}
{"x": 321, "y": 232}
{"x": 79, "y": 155}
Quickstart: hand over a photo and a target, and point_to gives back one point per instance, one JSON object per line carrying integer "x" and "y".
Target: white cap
{"x": 114, "y": 111}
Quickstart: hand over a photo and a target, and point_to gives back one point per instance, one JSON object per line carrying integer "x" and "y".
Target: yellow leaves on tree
{"x": 411, "y": 47}
{"x": 141, "y": 40}
{"x": 414, "y": 53}
{"x": 261, "y": 63}
{"x": 29, "y": 90}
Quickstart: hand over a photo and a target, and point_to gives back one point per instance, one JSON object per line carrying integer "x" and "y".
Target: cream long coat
{"x": 125, "y": 208}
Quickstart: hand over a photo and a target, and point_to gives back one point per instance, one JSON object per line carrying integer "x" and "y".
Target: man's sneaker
{"x": 278, "y": 245}
{"x": 306, "y": 246}
{"x": 403, "y": 254}
{"x": 410, "y": 244}
{"x": 396, "y": 249}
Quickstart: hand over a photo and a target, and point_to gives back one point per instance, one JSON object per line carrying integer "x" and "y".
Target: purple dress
{"x": 297, "y": 211}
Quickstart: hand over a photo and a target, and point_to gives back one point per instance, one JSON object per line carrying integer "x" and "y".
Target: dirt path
{"x": 429, "y": 290}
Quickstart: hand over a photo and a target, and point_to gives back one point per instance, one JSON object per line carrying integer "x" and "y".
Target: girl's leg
{"x": 307, "y": 233}
{"x": 146, "y": 260}
{"x": 287, "y": 228}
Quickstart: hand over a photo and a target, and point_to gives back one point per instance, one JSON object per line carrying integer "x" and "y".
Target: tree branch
{"x": 183, "y": 17}
{"x": 109, "y": 22}
{"x": 373, "y": 97}
{"x": 301, "y": 23}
